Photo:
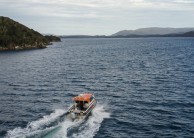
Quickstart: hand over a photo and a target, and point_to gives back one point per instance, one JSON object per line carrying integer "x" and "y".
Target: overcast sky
{"x": 98, "y": 17}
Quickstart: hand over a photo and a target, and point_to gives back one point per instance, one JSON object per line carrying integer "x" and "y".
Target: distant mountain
{"x": 153, "y": 31}
{"x": 188, "y": 34}
{"x": 84, "y": 36}
{"x": 15, "y": 36}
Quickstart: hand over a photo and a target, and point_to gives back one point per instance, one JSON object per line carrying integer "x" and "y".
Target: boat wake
{"x": 37, "y": 128}
{"x": 51, "y": 126}
{"x": 92, "y": 125}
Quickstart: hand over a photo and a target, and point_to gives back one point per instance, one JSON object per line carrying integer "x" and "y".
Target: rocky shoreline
{"x": 12, "y": 48}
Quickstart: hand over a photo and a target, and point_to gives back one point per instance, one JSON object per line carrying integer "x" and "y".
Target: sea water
{"x": 144, "y": 88}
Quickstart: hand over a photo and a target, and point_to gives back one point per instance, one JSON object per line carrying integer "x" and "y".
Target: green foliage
{"x": 52, "y": 38}
{"x": 15, "y": 34}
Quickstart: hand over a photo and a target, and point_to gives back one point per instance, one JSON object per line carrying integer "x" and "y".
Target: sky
{"x": 98, "y": 17}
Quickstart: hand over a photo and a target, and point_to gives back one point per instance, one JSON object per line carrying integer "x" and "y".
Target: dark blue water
{"x": 144, "y": 88}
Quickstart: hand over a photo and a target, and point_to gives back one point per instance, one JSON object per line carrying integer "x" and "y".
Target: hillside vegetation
{"x": 14, "y": 35}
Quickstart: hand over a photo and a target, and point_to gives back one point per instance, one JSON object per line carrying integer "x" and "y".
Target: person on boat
{"x": 85, "y": 105}
{"x": 79, "y": 105}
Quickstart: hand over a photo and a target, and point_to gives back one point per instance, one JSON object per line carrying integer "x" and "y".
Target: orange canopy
{"x": 83, "y": 97}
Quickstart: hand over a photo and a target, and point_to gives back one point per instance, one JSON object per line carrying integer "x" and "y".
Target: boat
{"x": 82, "y": 107}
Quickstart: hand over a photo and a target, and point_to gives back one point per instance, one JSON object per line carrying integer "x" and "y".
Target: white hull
{"x": 75, "y": 114}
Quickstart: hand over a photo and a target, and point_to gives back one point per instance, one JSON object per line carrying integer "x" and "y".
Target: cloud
{"x": 100, "y": 16}
{"x": 91, "y": 8}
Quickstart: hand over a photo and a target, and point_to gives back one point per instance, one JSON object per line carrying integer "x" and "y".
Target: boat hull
{"x": 76, "y": 115}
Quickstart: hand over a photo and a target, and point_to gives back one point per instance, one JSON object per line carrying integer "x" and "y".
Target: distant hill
{"x": 153, "y": 31}
{"x": 15, "y": 36}
{"x": 188, "y": 34}
{"x": 144, "y": 32}
{"x": 84, "y": 36}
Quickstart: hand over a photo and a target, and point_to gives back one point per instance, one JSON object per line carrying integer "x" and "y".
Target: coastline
{"x": 15, "y": 48}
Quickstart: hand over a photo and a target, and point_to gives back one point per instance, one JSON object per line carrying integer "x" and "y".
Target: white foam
{"x": 86, "y": 128}
{"x": 64, "y": 127}
{"x": 38, "y": 129}
{"x": 34, "y": 126}
{"x": 92, "y": 125}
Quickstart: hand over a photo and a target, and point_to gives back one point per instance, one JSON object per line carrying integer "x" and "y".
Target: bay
{"x": 144, "y": 88}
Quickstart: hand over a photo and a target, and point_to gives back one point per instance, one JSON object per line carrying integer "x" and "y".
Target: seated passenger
{"x": 86, "y": 105}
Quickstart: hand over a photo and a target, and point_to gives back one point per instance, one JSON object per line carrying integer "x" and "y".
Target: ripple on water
{"x": 146, "y": 85}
